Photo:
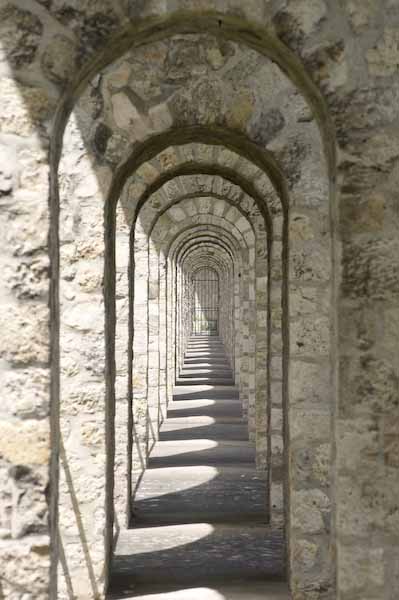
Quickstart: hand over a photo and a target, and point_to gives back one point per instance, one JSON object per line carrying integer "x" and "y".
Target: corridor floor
{"x": 199, "y": 528}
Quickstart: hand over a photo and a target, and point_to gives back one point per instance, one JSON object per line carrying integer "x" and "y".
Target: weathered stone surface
{"x": 305, "y": 552}
{"x": 371, "y": 269}
{"x": 308, "y": 513}
{"x": 373, "y": 385}
{"x": 241, "y": 111}
{"x": 25, "y": 443}
{"x": 308, "y": 262}
{"x": 312, "y": 465}
{"x": 310, "y": 337}
{"x": 361, "y": 13}
{"x": 24, "y": 401}
{"x": 25, "y": 568}
{"x": 24, "y": 107}
{"x": 367, "y": 561}
{"x": 267, "y": 126}
{"x": 20, "y": 32}
{"x": 349, "y": 52}
{"x": 59, "y": 59}
{"x": 25, "y": 335}
{"x": 383, "y": 59}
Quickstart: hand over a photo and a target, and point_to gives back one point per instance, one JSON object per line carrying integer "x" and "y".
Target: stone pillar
{"x": 25, "y": 109}
{"x": 153, "y": 344}
{"x": 140, "y": 352}
{"x": 122, "y": 490}
{"x": 261, "y": 357}
{"x": 276, "y": 383}
{"x": 310, "y": 401}
{"x": 163, "y": 335}
{"x": 82, "y": 518}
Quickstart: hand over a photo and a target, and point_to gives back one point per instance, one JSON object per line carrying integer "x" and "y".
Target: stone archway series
{"x": 139, "y": 143}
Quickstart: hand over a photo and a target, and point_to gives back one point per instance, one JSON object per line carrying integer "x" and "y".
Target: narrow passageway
{"x": 199, "y": 525}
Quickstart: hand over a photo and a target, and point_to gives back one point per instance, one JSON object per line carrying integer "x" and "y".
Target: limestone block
{"x": 276, "y": 368}
{"x": 59, "y": 59}
{"x": 241, "y": 110}
{"x": 24, "y": 401}
{"x": 25, "y": 334}
{"x": 92, "y": 434}
{"x": 304, "y": 552}
{"x": 277, "y": 495}
{"x": 311, "y": 465}
{"x": 361, "y": 508}
{"x": 268, "y": 124}
{"x": 85, "y": 316}
{"x": 359, "y": 443}
{"x": 361, "y": 569}
{"x": 308, "y": 426}
{"x": 276, "y": 316}
{"x": 301, "y": 227}
{"x": 203, "y": 153}
{"x": 380, "y": 149}
{"x": 309, "y": 383}
{"x": 177, "y": 213}
{"x": 118, "y": 77}
{"x": 276, "y": 393}
{"x": 309, "y": 189}
{"x": 307, "y": 510}
{"x": 276, "y": 419}
{"x": 371, "y": 385}
{"x": 308, "y": 300}
{"x": 168, "y": 159}
{"x": 29, "y": 510}
{"x": 371, "y": 269}
{"x": 277, "y": 449}
{"x": 27, "y": 228}
{"x": 382, "y": 491}
{"x": 20, "y": 33}
{"x": 361, "y": 12}
{"x": 227, "y": 158}
{"x": 310, "y": 262}
{"x": 365, "y": 216}
{"x": 26, "y": 442}
{"x": 25, "y": 567}
{"x": 23, "y": 108}
{"x": 276, "y": 342}
{"x": 391, "y": 450}
{"x": 308, "y": 14}
{"x": 310, "y": 337}
{"x": 29, "y": 280}
{"x": 89, "y": 277}
{"x": 383, "y": 59}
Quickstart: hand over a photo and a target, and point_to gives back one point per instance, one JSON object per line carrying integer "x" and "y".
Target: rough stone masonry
{"x": 139, "y": 141}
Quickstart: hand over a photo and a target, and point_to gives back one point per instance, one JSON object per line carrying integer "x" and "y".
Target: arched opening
{"x": 262, "y": 370}
{"x": 205, "y": 308}
{"x": 139, "y": 142}
{"x": 270, "y": 192}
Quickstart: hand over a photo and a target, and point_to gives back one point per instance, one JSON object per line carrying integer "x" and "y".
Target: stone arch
{"x": 110, "y": 293}
{"x": 359, "y": 87}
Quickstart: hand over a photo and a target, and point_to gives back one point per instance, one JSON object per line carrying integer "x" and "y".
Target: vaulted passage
{"x": 199, "y": 245}
{"x": 199, "y": 524}
{"x": 199, "y": 512}
{"x": 205, "y": 320}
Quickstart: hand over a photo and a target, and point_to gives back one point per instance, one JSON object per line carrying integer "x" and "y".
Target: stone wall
{"x": 331, "y": 84}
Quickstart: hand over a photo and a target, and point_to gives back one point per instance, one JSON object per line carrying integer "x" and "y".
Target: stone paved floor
{"x": 199, "y": 529}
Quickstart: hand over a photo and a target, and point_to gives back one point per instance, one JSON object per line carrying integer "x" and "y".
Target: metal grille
{"x": 206, "y": 302}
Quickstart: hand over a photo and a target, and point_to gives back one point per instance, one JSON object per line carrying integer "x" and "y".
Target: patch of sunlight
{"x": 198, "y": 420}
{"x": 172, "y": 536}
{"x": 183, "y": 482}
{"x": 191, "y": 594}
{"x": 174, "y": 448}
